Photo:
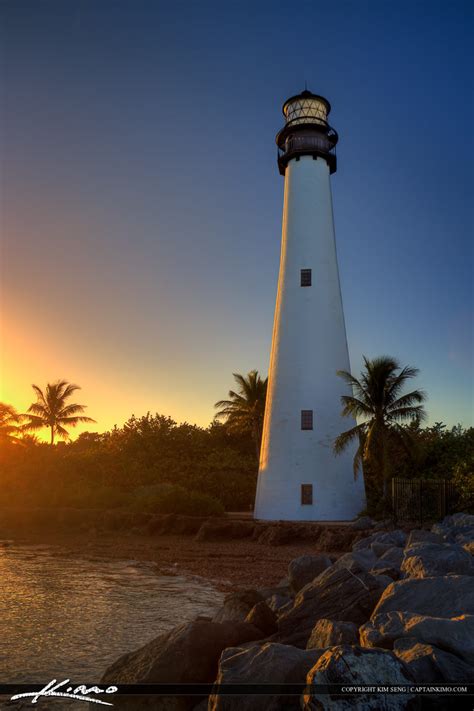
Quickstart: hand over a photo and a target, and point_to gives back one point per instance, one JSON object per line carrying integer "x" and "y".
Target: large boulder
{"x": 364, "y": 559}
{"x": 336, "y": 594}
{"x": 392, "y": 538}
{"x": 448, "y": 596}
{"x": 427, "y": 560}
{"x": 329, "y": 633}
{"x": 454, "y": 635}
{"x": 418, "y": 535}
{"x": 456, "y": 528}
{"x": 305, "y": 569}
{"x": 278, "y": 603}
{"x": 262, "y": 664}
{"x": 392, "y": 557}
{"x": 237, "y": 606}
{"x": 188, "y": 654}
{"x": 263, "y": 617}
{"x": 429, "y": 664}
{"x": 358, "y": 666}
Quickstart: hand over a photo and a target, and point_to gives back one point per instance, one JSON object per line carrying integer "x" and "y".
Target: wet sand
{"x": 230, "y": 565}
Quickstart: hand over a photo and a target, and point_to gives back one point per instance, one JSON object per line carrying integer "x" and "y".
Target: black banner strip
{"x": 244, "y": 689}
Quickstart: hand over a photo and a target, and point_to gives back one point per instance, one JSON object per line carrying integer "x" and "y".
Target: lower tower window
{"x": 306, "y": 494}
{"x": 306, "y": 419}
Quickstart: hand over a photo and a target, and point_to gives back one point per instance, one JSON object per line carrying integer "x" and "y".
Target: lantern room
{"x": 306, "y": 131}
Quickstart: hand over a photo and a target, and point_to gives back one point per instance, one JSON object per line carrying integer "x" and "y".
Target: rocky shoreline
{"x": 398, "y": 608}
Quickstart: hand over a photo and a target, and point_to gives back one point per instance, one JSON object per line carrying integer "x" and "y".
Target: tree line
{"x": 153, "y": 461}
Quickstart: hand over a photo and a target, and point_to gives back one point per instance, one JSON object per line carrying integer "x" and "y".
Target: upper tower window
{"x": 305, "y": 277}
{"x": 306, "y": 419}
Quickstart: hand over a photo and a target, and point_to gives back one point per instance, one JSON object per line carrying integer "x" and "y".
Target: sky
{"x": 141, "y": 201}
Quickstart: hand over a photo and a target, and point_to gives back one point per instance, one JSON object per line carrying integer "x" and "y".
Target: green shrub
{"x": 463, "y": 480}
{"x": 166, "y": 498}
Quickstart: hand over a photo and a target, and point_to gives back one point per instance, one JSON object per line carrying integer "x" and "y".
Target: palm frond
{"x": 355, "y": 407}
{"x": 345, "y": 438}
{"x": 415, "y": 412}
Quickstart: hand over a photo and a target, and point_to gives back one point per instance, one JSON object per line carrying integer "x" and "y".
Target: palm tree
{"x": 9, "y": 424}
{"x": 51, "y": 409}
{"x": 378, "y": 401}
{"x": 244, "y": 410}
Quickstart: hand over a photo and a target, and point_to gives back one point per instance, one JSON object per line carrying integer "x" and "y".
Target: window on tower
{"x": 306, "y": 277}
{"x": 306, "y": 419}
{"x": 306, "y": 494}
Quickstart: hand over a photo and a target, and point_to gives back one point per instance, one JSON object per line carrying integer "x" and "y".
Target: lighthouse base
{"x": 325, "y": 493}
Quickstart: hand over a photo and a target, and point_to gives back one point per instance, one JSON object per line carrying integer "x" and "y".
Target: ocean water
{"x": 63, "y": 617}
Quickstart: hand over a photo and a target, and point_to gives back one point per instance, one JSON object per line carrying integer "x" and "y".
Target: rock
{"x": 260, "y": 664}
{"x": 358, "y": 666}
{"x": 329, "y": 633}
{"x": 383, "y": 580}
{"x": 362, "y": 523}
{"x": 393, "y": 538}
{"x": 385, "y": 571}
{"x": 334, "y": 538}
{"x": 305, "y": 569}
{"x": 428, "y": 664}
{"x": 188, "y": 654}
{"x": 468, "y": 547}
{"x": 275, "y": 536}
{"x": 448, "y": 596}
{"x": 336, "y": 594}
{"x": 419, "y": 534}
{"x": 357, "y": 560}
{"x": 459, "y": 520}
{"x": 278, "y": 603}
{"x": 383, "y": 525}
{"x": 277, "y": 597}
{"x": 283, "y": 588}
{"x": 237, "y": 606}
{"x": 428, "y": 560}
{"x": 394, "y": 557}
{"x": 455, "y": 635}
{"x": 262, "y": 617}
{"x": 455, "y": 526}
{"x": 215, "y": 529}
{"x": 380, "y": 548}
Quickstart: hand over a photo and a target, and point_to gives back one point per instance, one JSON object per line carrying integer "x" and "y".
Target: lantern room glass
{"x": 306, "y": 110}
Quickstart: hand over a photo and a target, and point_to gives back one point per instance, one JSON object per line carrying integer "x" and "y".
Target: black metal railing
{"x": 422, "y": 500}
{"x": 299, "y": 143}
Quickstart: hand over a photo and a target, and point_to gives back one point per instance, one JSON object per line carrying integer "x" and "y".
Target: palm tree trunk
{"x": 52, "y": 434}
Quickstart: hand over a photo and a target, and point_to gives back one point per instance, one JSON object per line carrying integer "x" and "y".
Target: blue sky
{"x": 142, "y": 202}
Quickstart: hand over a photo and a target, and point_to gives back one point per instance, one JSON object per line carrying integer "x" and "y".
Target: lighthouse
{"x": 300, "y": 478}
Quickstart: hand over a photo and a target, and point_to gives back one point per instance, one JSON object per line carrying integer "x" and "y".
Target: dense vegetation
{"x": 153, "y": 464}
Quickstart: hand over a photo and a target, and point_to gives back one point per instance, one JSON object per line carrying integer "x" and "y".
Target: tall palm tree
{"x": 378, "y": 401}
{"x": 9, "y": 424}
{"x": 51, "y": 409}
{"x": 244, "y": 411}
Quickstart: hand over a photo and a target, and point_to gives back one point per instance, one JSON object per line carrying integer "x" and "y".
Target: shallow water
{"x": 64, "y": 617}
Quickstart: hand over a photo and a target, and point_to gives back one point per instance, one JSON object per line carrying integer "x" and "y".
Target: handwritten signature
{"x": 78, "y": 693}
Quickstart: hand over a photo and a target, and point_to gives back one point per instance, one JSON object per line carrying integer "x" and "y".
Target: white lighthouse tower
{"x": 300, "y": 478}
